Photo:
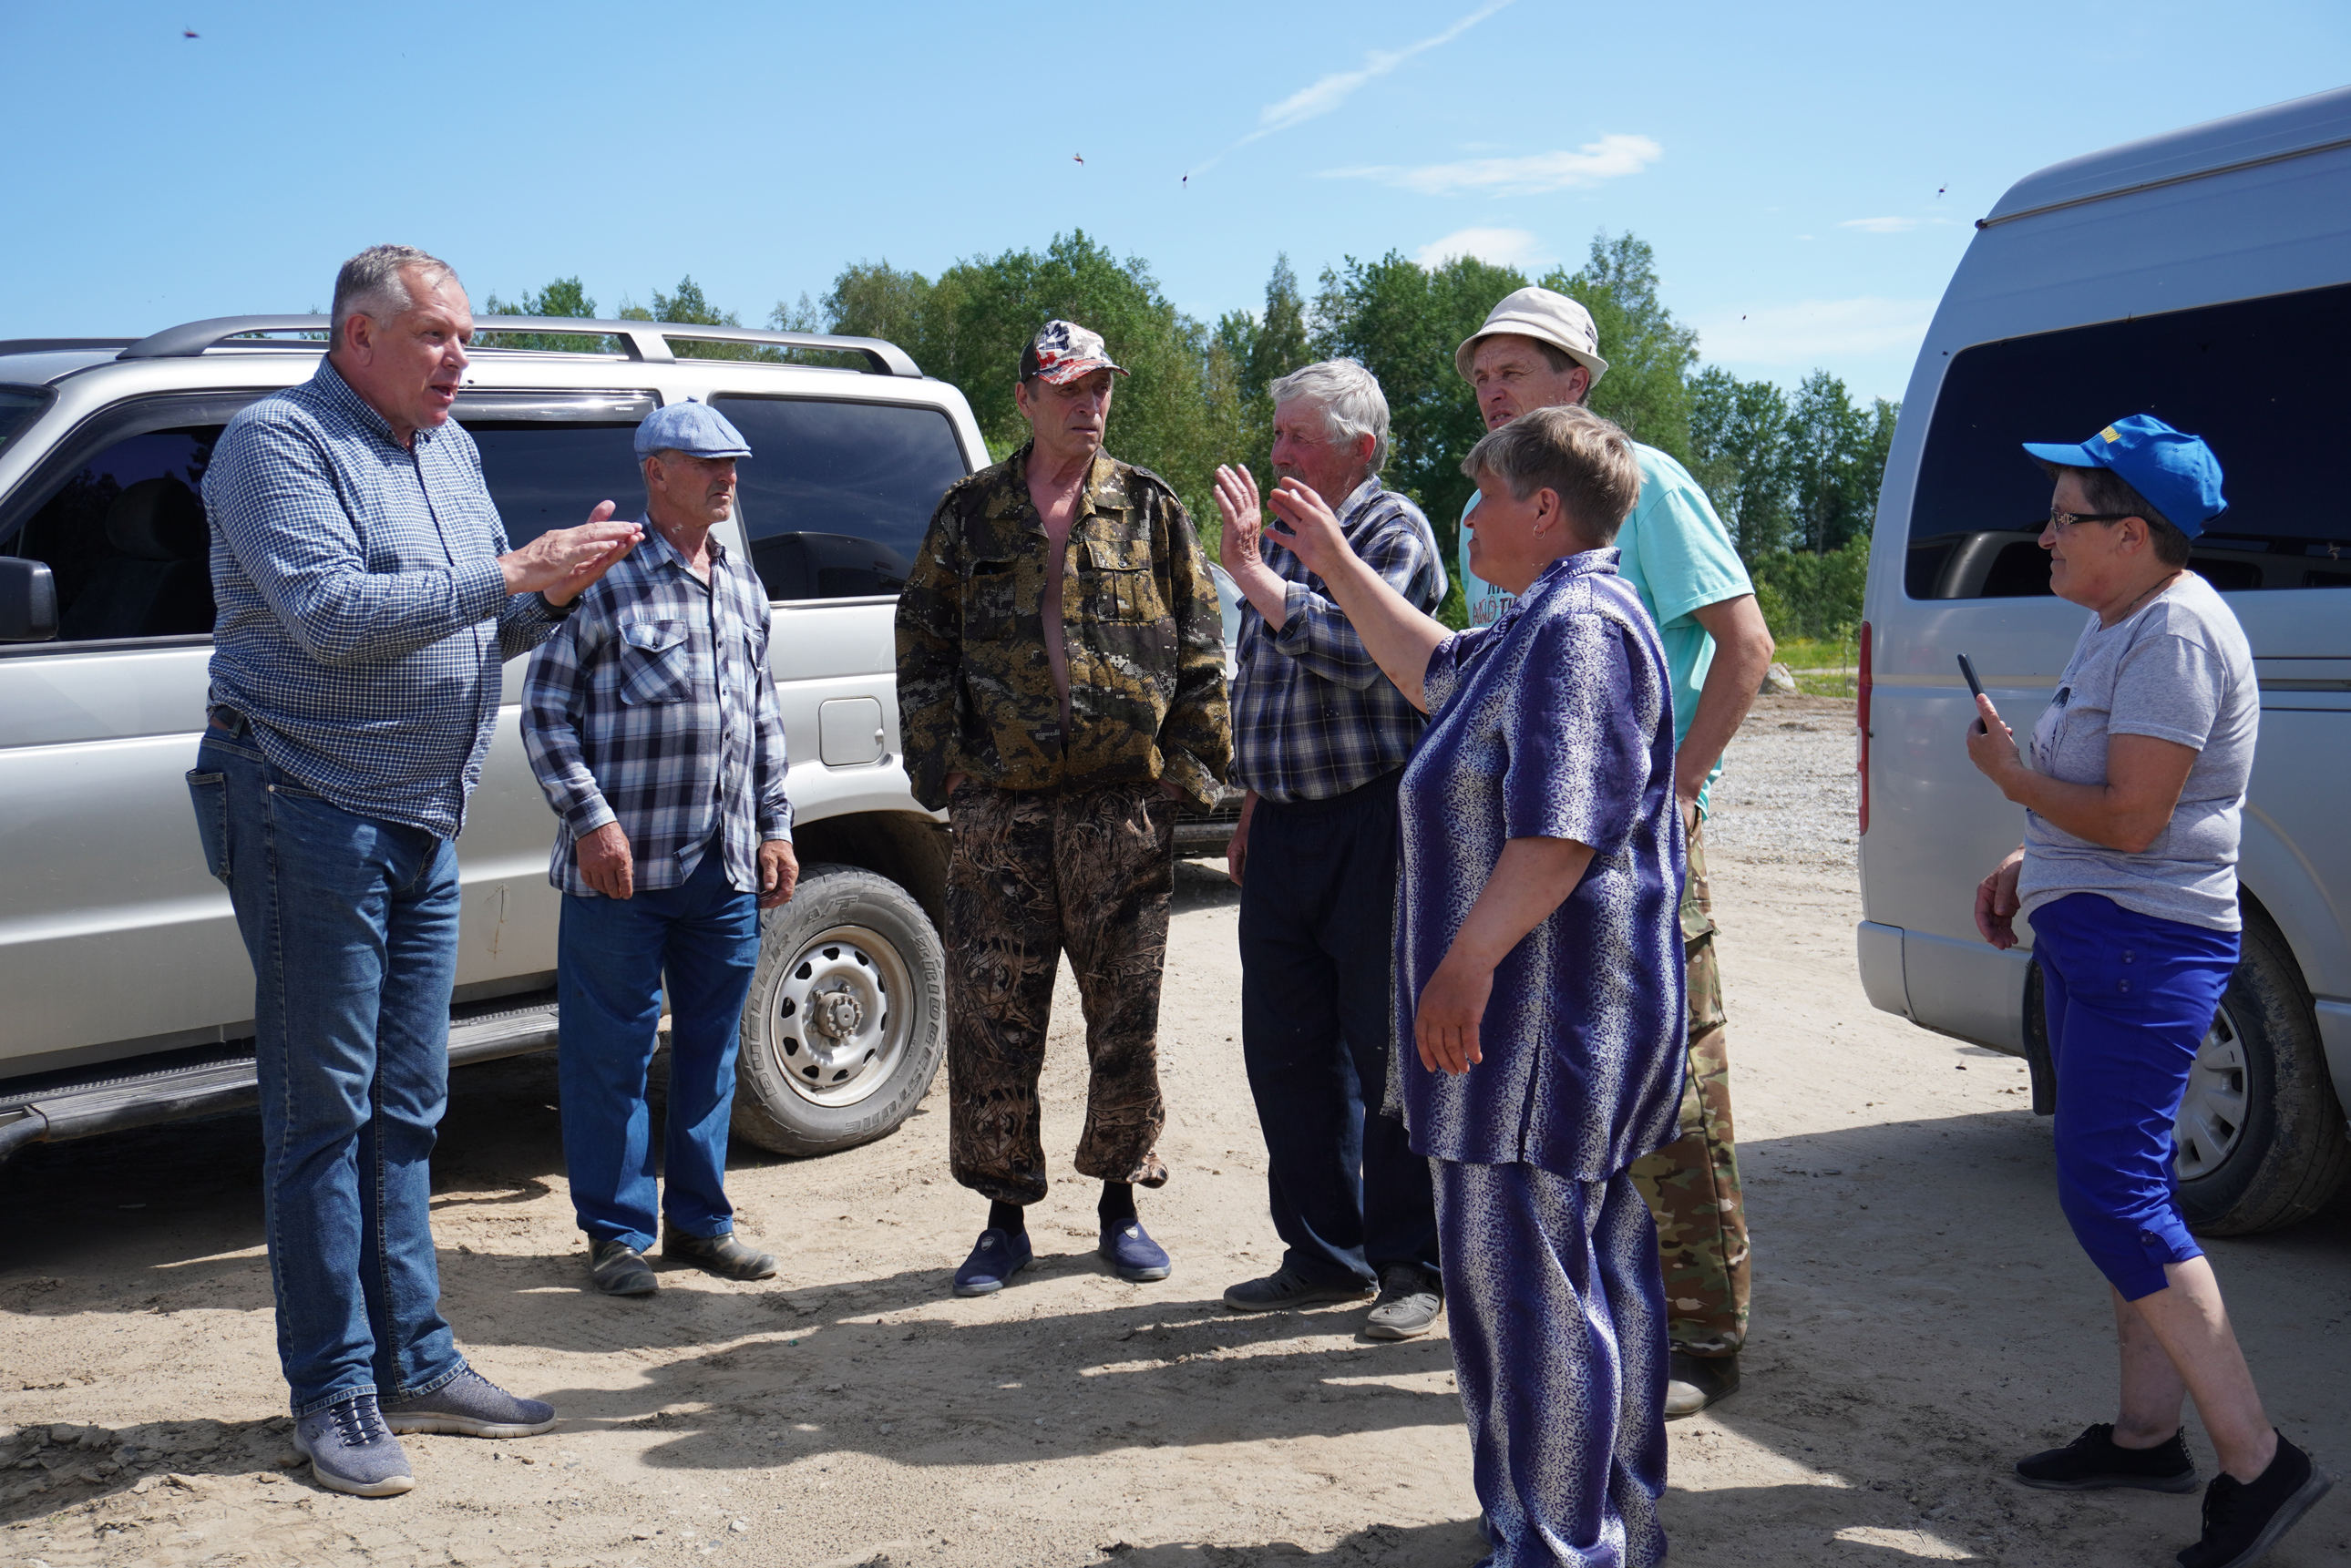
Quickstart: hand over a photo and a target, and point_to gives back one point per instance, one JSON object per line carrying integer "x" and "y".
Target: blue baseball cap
{"x": 2174, "y": 470}
{"x": 694, "y": 428}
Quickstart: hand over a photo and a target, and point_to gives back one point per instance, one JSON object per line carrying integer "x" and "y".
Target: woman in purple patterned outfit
{"x": 1539, "y": 964}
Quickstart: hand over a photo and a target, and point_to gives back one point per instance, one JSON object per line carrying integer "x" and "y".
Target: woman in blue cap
{"x": 2132, "y": 783}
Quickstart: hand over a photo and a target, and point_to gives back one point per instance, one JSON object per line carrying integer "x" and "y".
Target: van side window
{"x": 549, "y": 458}
{"x": 2261, "y": 379}
{"x": 836, "y": 496}
{"x": 125, "y": 539}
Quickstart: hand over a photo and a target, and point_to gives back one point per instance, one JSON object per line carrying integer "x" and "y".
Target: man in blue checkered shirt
{"x": 1320, "y": 739}
{"x": 367, "y": 603}
{"x": 652, "y": 724}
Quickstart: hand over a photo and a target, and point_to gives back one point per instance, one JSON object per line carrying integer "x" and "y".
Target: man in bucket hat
{"x": 1061, "y": 686}
{"x": 651, "y": 723}
{"x": 1538, "y": 348}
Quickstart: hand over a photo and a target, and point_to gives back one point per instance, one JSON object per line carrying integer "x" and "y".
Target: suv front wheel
{"x": 847, "y": 1017}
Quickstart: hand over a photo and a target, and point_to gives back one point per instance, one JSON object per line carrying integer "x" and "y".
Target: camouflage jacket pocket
{"x": 1121, "y": 587}
{"x": 990, "y": 599}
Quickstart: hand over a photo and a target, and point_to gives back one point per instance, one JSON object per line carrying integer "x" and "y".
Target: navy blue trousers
{"x": 2129, "y": 998}
{"x": 1350, "y": 1199}
{"x": 612, "y": 955}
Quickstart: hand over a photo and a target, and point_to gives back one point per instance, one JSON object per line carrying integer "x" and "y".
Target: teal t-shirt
{"x": 1679, "y": 558}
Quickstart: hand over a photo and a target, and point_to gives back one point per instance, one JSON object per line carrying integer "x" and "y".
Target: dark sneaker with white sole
{"x": 351, "y": 1450}
{"x": 2094, "y": 1461}
{"x": 618, "y": 1269}
{"x": 1408, "y": 1304}
{"x": 721, "y": 1255}
{"x": 1695, "y": 1382}
{"x": 1281, "y": 1289}
{"x": 2242, "y": 1520}
{"x": 470, "y": 1405}
{"x": 995, "y": 1257}
{"x": 1130, "y": 1253}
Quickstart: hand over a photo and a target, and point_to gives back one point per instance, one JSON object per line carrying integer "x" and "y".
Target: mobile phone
{"x": 1968, "y": 669}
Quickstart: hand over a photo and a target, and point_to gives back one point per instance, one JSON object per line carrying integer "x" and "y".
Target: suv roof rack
{"x": 52, "y": 345}
{"x": 645, "y": 341}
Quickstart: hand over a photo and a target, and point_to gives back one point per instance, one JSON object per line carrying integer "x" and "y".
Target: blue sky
{"x": 1807, "y": 174}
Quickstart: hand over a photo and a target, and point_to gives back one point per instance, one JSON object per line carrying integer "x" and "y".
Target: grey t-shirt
{"x": 2180, "y": 670}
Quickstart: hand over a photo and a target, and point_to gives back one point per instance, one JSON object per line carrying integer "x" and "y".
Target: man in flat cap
{"x": 1537, "y": 350}
{"x": 1061, "y": 686}
{"x": 652, "y": 722}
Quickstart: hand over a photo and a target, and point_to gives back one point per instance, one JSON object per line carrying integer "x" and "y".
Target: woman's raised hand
{"x": 1308, "y": 526}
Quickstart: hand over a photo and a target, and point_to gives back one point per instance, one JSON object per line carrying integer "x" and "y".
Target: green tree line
{"x": 1794, "y": 476}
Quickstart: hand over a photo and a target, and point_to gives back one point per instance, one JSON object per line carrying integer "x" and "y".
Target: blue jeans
{"x": 609, "y": 965}
{"x": 2128, "y": 997}
{"x": 353, "y": 927}
{"x": 1350, "y": 1199}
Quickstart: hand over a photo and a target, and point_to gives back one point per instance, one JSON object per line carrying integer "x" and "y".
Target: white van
{"x": 2203, "y": 277}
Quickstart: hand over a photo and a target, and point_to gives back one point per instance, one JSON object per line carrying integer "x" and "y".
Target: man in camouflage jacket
{"x": 1061, "y": 686}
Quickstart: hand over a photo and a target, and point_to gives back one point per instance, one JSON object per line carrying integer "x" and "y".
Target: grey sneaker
{"x": 1408, "y": 1304}
{"x": 470, "y": 1405}
{"x": 1283, "y": 1288}
{"x": 350, "y": 1450}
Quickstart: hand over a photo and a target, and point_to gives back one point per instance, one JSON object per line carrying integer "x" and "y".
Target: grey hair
{"x": 370, "y": 284}
{"x": 1349, "y": 397}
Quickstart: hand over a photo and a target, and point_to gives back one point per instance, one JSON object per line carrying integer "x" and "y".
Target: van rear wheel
{"x": 2260, "y": 1140}
{"x": 846, "y": 1020}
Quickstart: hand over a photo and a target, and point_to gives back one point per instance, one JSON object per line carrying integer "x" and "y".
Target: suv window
{"x": 18, "y": 408}
{"x": 2261, "y": 379}
{"x": 550, "y": 457}
{"x": 835, "y": 497}
{"x": 118, "y": 519}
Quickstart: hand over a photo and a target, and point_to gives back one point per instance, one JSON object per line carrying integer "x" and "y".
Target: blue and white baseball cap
{"x": 2174, "y": 470}
{"x": 694, "y": 428}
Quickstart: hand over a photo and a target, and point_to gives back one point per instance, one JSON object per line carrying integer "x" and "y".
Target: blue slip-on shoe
{"x": 1132, "y": 1254}
{"x": 999, "y": 1255}
{"x": 470, "y": 1405}
{"x": 351, "y": 1450}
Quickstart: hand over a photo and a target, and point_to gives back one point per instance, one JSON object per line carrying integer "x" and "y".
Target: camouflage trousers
{"x": 1034, "y": 873}
{"x": 1692, "y": 1184}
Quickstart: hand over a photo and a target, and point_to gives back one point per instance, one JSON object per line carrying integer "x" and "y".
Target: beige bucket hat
{"x": 1547, "y": 318}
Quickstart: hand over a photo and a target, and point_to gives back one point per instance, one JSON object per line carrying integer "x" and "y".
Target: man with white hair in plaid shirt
{"x": 651, "y": 723}
{"x": 1320, "y": 739}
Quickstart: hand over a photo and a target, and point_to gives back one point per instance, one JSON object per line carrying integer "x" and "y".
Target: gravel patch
{"x": 1789, "y": 794}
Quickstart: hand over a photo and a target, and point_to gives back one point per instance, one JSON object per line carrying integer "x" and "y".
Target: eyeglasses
{"x": 2061, "y": 519}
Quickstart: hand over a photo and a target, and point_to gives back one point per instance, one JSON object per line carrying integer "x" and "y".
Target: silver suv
{"x": 130, "y": 995}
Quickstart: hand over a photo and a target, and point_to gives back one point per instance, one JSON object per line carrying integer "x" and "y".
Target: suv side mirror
{"x": 28, "y": 601}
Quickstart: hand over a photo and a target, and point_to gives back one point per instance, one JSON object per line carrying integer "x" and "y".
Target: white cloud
{"x": 1331, "y": 91}
{"x": 1814, "y": 330}
{"x": 1503, "y": 247}
{"x": 1610, "y": 158}
{"x": 1320, "y": 97}
{"x": 1880, "y": 226}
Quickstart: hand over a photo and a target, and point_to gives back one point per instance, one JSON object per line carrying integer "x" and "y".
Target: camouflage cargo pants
{"x": 1033, "y": 873}
{"x": 1692, "y": 1184}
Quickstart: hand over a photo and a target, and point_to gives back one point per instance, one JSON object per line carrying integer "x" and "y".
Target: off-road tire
{"x": 877, "y": 931}
{"x": 2289, "y": 1152}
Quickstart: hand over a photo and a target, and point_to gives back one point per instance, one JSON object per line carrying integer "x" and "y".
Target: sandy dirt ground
{"x": 1921, "y": 1317}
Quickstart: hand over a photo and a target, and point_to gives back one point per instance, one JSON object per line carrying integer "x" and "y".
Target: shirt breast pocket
{"x": 656, "y": 662}
{"x": 1123, "y": 590}
{"x": 988, "y": 610}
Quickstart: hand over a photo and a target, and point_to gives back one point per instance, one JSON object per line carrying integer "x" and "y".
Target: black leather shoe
{"x": 720, "y": 1255}
{"x": 2094, "y": 1461}
{"x": 1695, "y": 1382}
{"x": 2242, "y": 1520}
{"x": 618, "y": 1269}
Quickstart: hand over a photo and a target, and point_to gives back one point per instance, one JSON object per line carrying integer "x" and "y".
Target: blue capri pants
{"x": 2129, "y": 998}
